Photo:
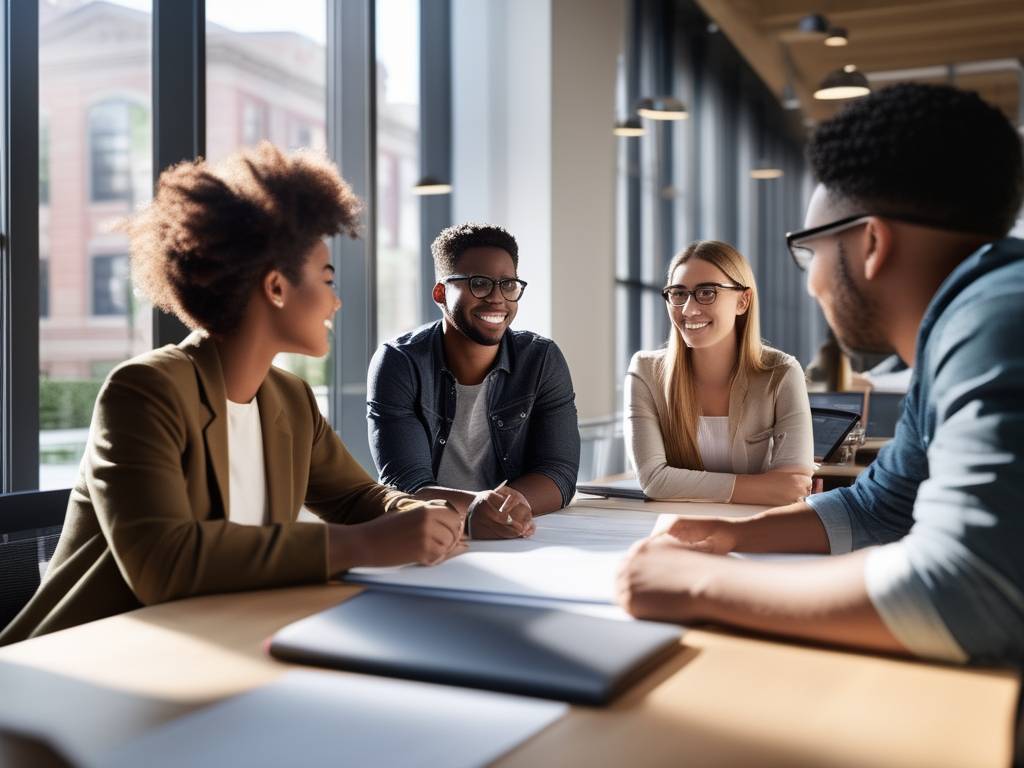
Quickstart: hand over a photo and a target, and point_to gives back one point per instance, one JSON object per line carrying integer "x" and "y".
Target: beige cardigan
{"x": 769, "y": 427}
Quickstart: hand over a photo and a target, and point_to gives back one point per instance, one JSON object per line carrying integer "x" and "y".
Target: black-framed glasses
{"x": 703, "y": 293}
{"x": 481, "y": 286}
{"x": 802, "y": 255}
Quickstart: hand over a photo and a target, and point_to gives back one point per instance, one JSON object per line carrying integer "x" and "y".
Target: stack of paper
{"x": 574, "y": 556}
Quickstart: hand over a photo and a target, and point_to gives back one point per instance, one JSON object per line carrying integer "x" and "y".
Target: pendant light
{"x": 845, "y": 83}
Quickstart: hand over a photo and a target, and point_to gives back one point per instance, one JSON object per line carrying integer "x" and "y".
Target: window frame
{"x": 19, "y": 258}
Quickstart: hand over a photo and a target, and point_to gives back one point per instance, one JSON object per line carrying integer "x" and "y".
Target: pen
{"x": 508, "y": 517}
{"x": 501, "y": 485}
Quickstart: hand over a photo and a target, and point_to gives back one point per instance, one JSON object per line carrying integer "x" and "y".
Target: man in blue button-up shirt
{"x": 468, "y": 410}
{"x": 905, "y": 250}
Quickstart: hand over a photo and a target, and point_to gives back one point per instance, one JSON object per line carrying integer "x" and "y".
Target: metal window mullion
{"x": 634, "y": 187}
{"x": 179, "y": 106}
{"x": 435, "y": 134}
{"x": 352, "y": 144}
{"x": 19, "y": 266}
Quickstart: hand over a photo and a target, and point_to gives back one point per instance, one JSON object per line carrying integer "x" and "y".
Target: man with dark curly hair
{"x": 906, "y": 250}
{"x": 201, "y": 455}
{"x": 467, "y": 409}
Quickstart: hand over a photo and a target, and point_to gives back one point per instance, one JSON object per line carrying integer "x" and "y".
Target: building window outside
{"x": 44, "y": 161}
{"x": 300, "y": 134}
{"x": 118, "y": 151}
{"x": 44, "y": 288}
{"x": 111, "y": 289}
{"x": 255, "y": 122}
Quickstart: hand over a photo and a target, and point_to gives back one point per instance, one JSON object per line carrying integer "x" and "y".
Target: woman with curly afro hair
{"x": 201, "y": 455}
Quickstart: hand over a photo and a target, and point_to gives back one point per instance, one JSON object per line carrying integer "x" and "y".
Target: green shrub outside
{"x": 67, "y": 403}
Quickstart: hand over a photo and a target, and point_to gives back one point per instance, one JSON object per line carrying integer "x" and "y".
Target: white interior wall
{"x": 533, "y": 104}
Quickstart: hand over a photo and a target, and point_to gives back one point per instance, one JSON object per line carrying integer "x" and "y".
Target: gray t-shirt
{"x": 465, "y": 463}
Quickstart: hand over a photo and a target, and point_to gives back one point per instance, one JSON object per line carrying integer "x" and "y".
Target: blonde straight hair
{"x": 680, "y": 433}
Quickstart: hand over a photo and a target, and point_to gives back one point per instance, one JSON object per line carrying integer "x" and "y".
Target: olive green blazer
{"x": 146, "y": 521}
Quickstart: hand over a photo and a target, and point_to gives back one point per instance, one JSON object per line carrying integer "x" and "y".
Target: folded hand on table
{"x": 714, "y": 535}
{"x": 661, "y": 579}
{"x": 503, "y": 513}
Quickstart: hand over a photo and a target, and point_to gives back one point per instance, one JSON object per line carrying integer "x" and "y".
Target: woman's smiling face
{"x": 706, "y": 325}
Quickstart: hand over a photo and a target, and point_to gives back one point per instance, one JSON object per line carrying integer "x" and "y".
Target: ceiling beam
{"x": 848, "y": 13}
{"x": 763, "y": 52}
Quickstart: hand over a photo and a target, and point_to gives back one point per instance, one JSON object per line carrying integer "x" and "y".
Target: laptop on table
{"x": 536, "y": 651}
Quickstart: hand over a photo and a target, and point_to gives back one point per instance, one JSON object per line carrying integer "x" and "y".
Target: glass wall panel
{"x": 399, "y": 293}
{"x": 95, "y": 155}
{"x": 266, "y": 79}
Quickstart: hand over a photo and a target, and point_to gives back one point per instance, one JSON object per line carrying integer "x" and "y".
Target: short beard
{"x": 457, "y": 319}
{"x": 855, "y": 315}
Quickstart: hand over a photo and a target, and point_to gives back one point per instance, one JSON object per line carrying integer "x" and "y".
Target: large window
{"x": 690, "y": 179}
{"x": 94, "y": 167}
{"x": 399, "y": 292}
{"x": 264, "y": 74}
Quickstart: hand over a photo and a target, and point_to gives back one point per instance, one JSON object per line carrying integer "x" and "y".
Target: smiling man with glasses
{"x": 905, "y": 248}
{"x": 466, "y": 409}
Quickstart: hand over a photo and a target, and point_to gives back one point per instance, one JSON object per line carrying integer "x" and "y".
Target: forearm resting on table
{"x": 793, "y": 528}
{"x": 824, "y": 600}
{"x": 458, "y": 499}
{"x": 540, "y": 490}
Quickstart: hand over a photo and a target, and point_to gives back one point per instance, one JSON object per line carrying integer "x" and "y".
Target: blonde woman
{"x": 717, "y": 415}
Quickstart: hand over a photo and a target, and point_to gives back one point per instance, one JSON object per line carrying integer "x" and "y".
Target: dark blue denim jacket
{"x": 531, "y": 404}
{"x": 943, "y": 505}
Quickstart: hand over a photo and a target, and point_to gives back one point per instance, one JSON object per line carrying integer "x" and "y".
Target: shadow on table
{"x": 52, "y": 719}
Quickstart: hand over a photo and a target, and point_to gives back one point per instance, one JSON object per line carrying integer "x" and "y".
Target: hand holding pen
{"x": 503, "y": 513}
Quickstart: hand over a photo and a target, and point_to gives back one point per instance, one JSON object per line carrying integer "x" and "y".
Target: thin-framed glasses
{"x": 802, "y": 255}
{"x": 703, "y": 293}
{"x": 481, "y": 286}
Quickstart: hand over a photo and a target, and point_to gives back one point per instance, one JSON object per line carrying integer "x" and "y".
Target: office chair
{"x": 30, "y": 525}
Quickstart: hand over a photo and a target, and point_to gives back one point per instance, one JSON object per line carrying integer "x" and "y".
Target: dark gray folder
{"x": 529, "y": 650}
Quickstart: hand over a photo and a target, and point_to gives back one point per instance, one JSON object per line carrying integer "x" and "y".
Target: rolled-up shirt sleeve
{"x": 905, "y": 606}
{"x": 879, "y": 507}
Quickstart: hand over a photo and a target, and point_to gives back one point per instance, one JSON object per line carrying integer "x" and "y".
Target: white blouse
{"x": 247, "y": 491}
{"x": 713, "y": 443}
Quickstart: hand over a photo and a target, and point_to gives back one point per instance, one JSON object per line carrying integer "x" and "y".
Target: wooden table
{"x": 723, "y": 699}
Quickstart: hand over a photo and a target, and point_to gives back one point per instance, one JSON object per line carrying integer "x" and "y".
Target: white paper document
{"x": 327, "y": 718}
{"x": 574, "y": 555}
